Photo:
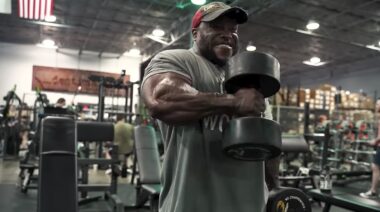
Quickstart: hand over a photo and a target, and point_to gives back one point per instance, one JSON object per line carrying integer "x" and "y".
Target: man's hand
{"x": 249, "y": 102}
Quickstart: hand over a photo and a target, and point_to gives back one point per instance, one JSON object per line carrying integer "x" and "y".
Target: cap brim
{"x": 234, "y": 12}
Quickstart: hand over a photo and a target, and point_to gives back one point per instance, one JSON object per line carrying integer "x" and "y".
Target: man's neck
{"x": 216, "y": 62}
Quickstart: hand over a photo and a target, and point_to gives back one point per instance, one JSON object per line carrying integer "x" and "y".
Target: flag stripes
{"x": 35, "y": 9}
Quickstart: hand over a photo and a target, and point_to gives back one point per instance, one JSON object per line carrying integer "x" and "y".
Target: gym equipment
{"x": 334, "y": 158}
{"x": 147, "y": 155}
{"x": 109, "y": 82}
{"x": 297, "y": 177}
{"x": 342, "y": 198}
{"x": 257, "y": 138}
{"x": 253, "y": 138}
{"x": 98, "y": 132}
{"x": 288, "y": 199}
{"x": 38, "y": 108}
{"x": 57, "y": 183}
{"x": 10, "y": 126}
{"x": 28, "y": 163}
{"x": 291, "y": 199}
{"x": 58, "y": 186}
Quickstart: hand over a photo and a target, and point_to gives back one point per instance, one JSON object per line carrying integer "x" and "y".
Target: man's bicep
{"x": 161, "y": 85}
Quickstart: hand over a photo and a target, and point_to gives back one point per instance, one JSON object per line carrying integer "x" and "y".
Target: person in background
{"x": 372, "y": 193}
{"x": 123, "y": 138}
{"x": 61, "y": 102}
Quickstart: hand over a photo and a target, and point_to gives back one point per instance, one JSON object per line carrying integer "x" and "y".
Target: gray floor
{"x": 12, "y": 200}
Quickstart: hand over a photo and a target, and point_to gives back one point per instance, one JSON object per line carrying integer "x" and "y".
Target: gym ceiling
{"x": 347, "y": 39}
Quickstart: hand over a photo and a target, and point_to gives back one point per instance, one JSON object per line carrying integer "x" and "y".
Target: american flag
{"x": 35, "y": 9}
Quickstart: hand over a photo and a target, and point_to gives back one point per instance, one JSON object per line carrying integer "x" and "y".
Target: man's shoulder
{"x": 175, "y": 53}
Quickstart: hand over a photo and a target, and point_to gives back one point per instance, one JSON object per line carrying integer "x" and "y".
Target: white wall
{"x": 16, "y": 68}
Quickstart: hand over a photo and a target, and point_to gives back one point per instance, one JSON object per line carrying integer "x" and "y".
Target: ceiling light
{"x": 50, "y": 18}
{"x": 133, "y": 52}
{"x": 47, "y": 43}
{"x": 158, "y": 32}
{"x": 198, "y": 2}
{"x": 379, "y": 43}
{"x": 315, "y": 60}
{"x": 307, "y": 62}
{"x": 251, "y": 48}
{"x": 373, "y": 47}
{"x": 312, "y": 25}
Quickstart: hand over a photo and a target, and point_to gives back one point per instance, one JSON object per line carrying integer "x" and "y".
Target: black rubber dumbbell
{"x": 288, "y": 199}
{"x": 253, "y": 138}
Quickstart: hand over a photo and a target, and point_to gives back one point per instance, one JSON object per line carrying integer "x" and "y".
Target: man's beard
{"x": 209, "y": 53}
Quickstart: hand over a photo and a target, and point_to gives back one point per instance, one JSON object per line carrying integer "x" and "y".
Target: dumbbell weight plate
{"x": 252, "y": 139}
{"x": 288, "y": 199}
{"x": 253, "y": 69}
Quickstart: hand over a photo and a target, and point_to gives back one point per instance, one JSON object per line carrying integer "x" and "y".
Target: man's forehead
{"x": 224, "y": 19}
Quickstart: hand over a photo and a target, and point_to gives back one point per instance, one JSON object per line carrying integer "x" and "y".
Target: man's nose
{"x": 227, "y": 34}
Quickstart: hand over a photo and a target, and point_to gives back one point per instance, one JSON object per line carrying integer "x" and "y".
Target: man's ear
{"x": 194, "y": 32}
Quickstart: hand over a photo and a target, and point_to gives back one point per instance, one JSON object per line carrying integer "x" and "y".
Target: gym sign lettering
{"x": 68, "y": 80}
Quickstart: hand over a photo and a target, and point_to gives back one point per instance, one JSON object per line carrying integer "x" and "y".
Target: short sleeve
{"x": 168, "y": 61}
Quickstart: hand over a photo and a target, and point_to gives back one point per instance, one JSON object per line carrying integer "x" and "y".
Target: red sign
{"x": 68, "y": 80}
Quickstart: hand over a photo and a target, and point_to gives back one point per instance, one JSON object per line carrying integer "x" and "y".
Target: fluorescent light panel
{"x": 312, "y": 25}
{"x": 158, "y": 32}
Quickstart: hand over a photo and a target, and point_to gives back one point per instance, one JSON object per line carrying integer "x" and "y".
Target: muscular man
{"x": 184, "y": 90}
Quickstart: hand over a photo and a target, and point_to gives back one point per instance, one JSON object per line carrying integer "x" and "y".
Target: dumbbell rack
{"x": 327, "y": 150}
{"x": 342, "y": 152}
{"x": 359, "y": 151}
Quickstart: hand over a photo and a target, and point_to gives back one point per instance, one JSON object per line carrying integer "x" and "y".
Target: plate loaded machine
{"x": 109, "y": 82}
{"x": 9, "y": 127}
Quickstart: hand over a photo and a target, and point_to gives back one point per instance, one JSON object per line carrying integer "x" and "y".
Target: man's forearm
{"x": 182, "y": 108}
{"x": 171, "y": 98}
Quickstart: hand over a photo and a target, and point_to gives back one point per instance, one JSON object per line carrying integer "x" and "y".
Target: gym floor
{"x": 12, "y": 200}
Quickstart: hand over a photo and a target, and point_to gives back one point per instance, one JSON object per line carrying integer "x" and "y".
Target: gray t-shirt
{"x": 196, "y": 175}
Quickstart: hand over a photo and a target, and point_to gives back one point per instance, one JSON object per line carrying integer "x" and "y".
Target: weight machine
{"x": 9, "y": 127}
{"x": 109, "y": 82}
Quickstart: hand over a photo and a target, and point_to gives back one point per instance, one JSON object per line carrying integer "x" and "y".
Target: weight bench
{"x": 148, "y": 160}
{"x": 58, "y": 179}
{"x": 339, "y": 197}
{"x": 295, "y": 144}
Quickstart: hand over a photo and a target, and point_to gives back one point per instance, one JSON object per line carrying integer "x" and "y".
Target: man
{"x": 61, "y": 102}
{"x": 372, "y": 193}
{"x": 184, "y": 90}
{"x": 123, "y": 138}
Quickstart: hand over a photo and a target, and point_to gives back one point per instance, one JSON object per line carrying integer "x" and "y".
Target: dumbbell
{"x": 288, "y": 199}
{"x": 252, "y": 138}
